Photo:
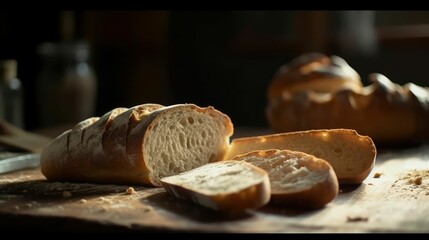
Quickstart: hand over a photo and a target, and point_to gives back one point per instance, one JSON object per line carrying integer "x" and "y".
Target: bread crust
{"x": 389, "y": 113}
{"x": 115, "y": 138}
{"x": 251, "y": 197}
{"x": 314, "y": 71}
{"x": 54, "y": 157}
{"x": 351, "y": 155}
{"x": 315, "y": 195}
{"x": 92, "y": 140}
{"x": 75, "y": 148}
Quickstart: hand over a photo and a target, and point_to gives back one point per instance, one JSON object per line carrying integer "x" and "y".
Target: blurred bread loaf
{"x": 323, "y": 93}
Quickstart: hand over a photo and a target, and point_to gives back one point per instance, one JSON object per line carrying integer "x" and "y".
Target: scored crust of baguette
{"x": 297, "y": 179}
{"x": 56, "y": 159}
{"x": 351, "y": 155}
{"x": 114, "y": 138}
{"x": 75, "y": 138}
{"x": 228, "y": 186}
{"x": 54, "y": 156}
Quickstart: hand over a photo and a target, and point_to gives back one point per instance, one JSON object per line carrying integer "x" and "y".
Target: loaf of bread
{"x": 139, "y": 145}
{"x": 297, "y": 179}
{"x": 228, "y": 186}
{"x": 314, "y": 71}
{"x": 315, "y": 94}
{"x": 351, "y": 155}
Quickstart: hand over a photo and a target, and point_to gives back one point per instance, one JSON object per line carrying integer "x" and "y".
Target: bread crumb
{"x": 103, "y": 199}
{"x": 418, "y": 180}
{"x": 130, "y": 191}
{"x": 411, "y": 183}
{"x": 29, "y": 205}
{"x": 341, "y": 190}
{"x": 370, "y": 183}
{"x": 357, "y": 218}
{"x": 377, "y": 174}
{"x": 82, "y": 201}
{"x": 67, "y": 194}
{"x": 16, "y": 207}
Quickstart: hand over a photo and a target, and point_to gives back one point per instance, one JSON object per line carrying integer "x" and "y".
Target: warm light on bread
{"x": 297, "y": 179}
{"x": 351, "y": 155}
{"x": 231, "y": 186}
{"x": 150, "y": 142}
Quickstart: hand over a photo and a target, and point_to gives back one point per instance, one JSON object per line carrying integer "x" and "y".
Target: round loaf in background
{"x": 389, "y": 113}
{"x": 314, "y": 71}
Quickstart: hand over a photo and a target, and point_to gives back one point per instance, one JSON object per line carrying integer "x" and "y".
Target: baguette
{"x": 351, "y": 155}
{"x": 228, "y": 186}
{"x": 157, "y": 143}
{"x": 297, "y": 179}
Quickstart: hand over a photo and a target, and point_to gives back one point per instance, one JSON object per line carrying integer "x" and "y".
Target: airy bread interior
{"x": 296, "y": 178}
{"x": 226, "y": 186}
{"x": 185, "y": 137}
{"x": 289, "y": 171}
{"x": 218, "y": 178}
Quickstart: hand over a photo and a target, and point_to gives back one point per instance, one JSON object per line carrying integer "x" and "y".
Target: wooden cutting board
{"x": 396, "y": 201}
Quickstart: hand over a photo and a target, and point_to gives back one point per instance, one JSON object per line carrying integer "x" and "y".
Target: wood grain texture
{"x": 394, "y": 200}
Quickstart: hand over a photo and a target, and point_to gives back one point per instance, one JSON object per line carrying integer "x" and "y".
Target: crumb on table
{"x": 418, "y": 180}
{"x": 377, "y": 174}
{"x": 357, "y": 218}
{"x": 130, "y": 191}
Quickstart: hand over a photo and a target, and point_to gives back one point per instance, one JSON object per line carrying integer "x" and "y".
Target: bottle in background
{"x": 11, "y": 93}
{"x": 66, "y": 85}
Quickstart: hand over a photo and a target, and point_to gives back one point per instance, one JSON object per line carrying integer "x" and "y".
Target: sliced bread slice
{"x": 350, "y": 154}
{"x": 229, "y": 186}
{"x": 297, "y": 179}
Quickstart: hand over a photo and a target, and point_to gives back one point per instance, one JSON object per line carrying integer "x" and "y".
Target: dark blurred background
{"x": 225, "y": 59}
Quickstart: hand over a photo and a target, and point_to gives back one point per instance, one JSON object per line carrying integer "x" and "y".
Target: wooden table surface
{"x": 396, "y": 201}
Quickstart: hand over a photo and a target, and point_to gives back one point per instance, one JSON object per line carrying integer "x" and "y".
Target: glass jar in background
{"x": 11, "y": 94}
{"x": 67, "y": 84}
